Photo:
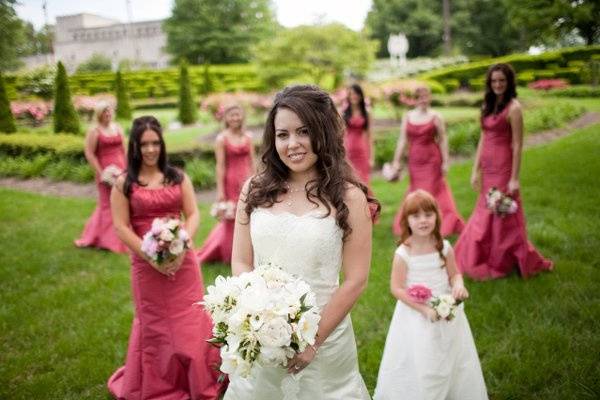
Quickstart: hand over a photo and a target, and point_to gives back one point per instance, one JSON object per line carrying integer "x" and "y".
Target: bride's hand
{"x": 301, "y": 360}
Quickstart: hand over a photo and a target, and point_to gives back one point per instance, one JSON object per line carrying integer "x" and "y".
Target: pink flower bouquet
{"x": 419, "y": 293}
{"x": 499, "y": 203}
{"x": 165, "y": 241}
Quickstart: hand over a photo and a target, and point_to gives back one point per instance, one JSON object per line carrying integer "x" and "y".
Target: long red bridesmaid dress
{"x": 168, "y": 357}
{"x": 358, "y": 148}
{"x": 98, "y": 231}
{"x": 238, "y": 167}
{"x": 425, "y": 171}
{"x": 490, "y": 245}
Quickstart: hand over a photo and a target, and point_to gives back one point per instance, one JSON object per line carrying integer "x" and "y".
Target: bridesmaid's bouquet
{"x": 223, "y": 210}
{"x": 110, "y": 174}
{"x": 165, "y": 241}
{"x": 265, "y": 316}
{"x": 500, "y": 203}
{"x": 444, "y": 305}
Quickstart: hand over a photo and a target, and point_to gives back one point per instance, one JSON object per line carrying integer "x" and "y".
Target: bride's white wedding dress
{"x": 310, "y": 247}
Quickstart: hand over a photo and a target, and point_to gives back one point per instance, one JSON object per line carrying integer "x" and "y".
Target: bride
{"x": 306, "y": 212}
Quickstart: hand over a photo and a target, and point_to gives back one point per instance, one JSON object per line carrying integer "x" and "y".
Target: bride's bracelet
{"x": 314, "y": 348}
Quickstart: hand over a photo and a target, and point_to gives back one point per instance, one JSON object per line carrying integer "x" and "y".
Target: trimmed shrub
{"x": 7, "y": 121}
{"x": 576, "y": 91}
{"x": 65, "y": 116}
{"x": 188, "y": 114}
{"x": 123, "y": 107}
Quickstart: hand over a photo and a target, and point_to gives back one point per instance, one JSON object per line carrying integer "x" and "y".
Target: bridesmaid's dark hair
{"x": 134, "y": 154}
{"x": 489, "y": 100}
{"x": 316, "y": 110}
{"x": 361, "y": 105}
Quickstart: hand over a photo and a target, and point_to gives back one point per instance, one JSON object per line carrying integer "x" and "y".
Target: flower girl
{"x": 429, "y": 351}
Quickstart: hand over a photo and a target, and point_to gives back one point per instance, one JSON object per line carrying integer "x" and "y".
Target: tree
{"x": 12, "y": 38}
{"x": 7, "y": 121}
{"x": 123, "y": 108}
{"x": 187, "y": 106}
{"x": 65, "y": 116}
{"x": 316, "y": 51}
{"x": 96, "y": 63}
{"x": 217, "y": 31}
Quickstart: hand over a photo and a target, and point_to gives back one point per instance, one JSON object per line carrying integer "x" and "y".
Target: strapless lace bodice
{"x": 309, "y": 246}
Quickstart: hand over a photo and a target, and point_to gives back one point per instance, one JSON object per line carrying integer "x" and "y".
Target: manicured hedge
{"x": 569, "y": 63}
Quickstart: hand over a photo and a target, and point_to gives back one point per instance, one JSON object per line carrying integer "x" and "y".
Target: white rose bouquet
{"x": 110, "y": 174}
{"x": 165, "y": 241}
{"x": 264, "y": 316}
{"x": 445, "y": 306}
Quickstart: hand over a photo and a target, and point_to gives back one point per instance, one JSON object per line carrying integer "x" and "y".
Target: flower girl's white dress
{"x": 429, "y": 360}
{"x": 310, "y": 247}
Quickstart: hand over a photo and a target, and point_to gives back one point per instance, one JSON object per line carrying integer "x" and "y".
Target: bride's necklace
{"x": 290, "y": 192}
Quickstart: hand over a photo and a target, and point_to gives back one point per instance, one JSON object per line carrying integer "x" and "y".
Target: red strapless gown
{"x": 491, "y": 246}
{"x": 168, "y": 357}
{"x": 357, "y": 147}
{"x": 99, "y": 231}
{"x": 425, "y": 170}
{"x": 238, "y": 167}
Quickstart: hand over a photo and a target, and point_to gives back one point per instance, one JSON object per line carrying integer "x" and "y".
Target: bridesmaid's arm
{"x": 457, "y": 284}
{"x": 475, "y": 178}
{"x": 400, "y": 146}
{"x": 119, "y": 205}
{"x": 369, "y": 133}
{"x": 220, "y": 167}
{"x": 89, "y": 149}
{"x": 398, "y": 289}
{"x": 440, "y": 126}
{"x": 515, "y": 118}
{"x": 356, "y": 262}
{"x": 190, "y": 208}
{"x": 242, "y": 257}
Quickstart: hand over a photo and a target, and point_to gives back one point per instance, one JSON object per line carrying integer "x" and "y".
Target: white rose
{"x": 172, "y": 224}
{"x": 176, "y": 247}
{"x": 308, "y": 325}
{"x": 272, "y": 355}
{"x": 275, "y": 333}
{"x": 443, "y": 310}
{"x": 448, "y": 299}
{"x": 166, "y": 235}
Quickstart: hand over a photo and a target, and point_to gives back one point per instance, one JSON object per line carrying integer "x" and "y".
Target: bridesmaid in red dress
{"x": 104, "y": 146}
{"x": 491, "y": 245}
{"x": 423, "y": 130}
{"x": 235, "y": 163}
{"x": 358, "y": 139}
{"x": 168, "y": 356}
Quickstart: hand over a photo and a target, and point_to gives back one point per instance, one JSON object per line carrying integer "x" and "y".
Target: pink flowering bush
{"x": 217, "y": 103}
{"x": 547, "y": 84}
{"x": 86, "y": 105}
{"x": 34, "y": 112}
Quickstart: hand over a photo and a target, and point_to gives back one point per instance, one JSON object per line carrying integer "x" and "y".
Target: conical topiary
{"x": 123, "y": 107}
{"x": 65, "y": 116}
{"x": 7, "y": 121}
{"x": 207, "y": 85}
{"x": 187, "y": 107}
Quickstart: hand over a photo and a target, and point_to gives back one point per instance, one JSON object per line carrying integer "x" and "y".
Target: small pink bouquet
{"x": 110, "y": 174}
{"x": 165, "y": 241}
{"x": 499, "y": 203}
{"x": 419, "y": 293}
{"x": 223, "y": 210}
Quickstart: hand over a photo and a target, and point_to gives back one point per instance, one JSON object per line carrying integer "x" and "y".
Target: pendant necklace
{"x": 291, "y": 191}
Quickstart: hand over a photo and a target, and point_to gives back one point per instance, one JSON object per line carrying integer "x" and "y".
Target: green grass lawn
{"x": 65, "y": 313}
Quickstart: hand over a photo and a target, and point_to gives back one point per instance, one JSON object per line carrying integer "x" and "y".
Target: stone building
{"x": 78, "y": 37}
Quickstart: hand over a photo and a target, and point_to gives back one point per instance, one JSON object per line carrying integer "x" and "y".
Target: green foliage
{"x": 575, "y": 91}
{"x": 7, "y": 121}
{"x": 122, "y": 95}
{"x": 65, "y": 116}
{"x": 96, "y": 63}
{"x": 13, "y": 42}
{"x": 188, "y": 114}
{"x": 201, "y": 172}
{"x": 38, "y": 82}
{"x": 207, "y": 85}
{"x": 199, "y": 29}
{"x": 60, "y": 145}
{"x": 313, "y": 52}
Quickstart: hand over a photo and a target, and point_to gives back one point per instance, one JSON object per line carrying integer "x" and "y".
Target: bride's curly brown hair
{"x": 317, "y": 112}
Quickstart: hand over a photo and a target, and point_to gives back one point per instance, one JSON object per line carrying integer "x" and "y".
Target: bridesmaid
{"x": 423, "y": 130}
{"x": 490, "y": 245}
{"x": 235, "y": 161}
{"x": 168, "y": 356}
{"x": 358, "y": 139}
{"x": 104, "y": 146}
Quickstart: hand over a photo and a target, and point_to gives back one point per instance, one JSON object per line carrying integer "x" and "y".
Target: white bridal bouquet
{"x": 500, "y": 203}
{"x": 264, "y": 316}
{"x": 445, "y": 306}
{"x": 110, "y": 174}
{"x": 165, "y": 240}
{"x": 223, "y": 210}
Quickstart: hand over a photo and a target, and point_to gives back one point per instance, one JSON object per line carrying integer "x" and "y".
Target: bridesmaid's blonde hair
{"x": 99, "y": 110}
{"x": 421, "y": 200}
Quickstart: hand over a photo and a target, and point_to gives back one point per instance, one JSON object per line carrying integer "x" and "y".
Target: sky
{"x": 290, "y": 13}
